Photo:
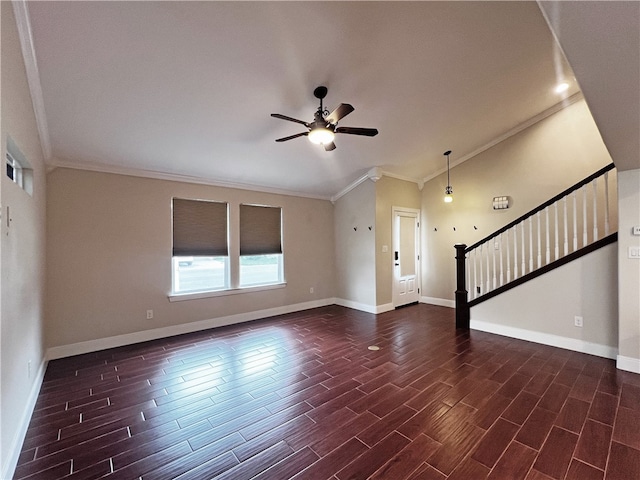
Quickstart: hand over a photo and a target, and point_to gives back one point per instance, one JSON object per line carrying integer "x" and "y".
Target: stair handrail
{"x": 541, "y": 207}
{"x": 462, "y": 250}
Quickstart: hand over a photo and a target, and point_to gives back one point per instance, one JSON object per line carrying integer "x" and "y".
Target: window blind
{"x": 199, "y": 228}
{"x": 260, "y": 230}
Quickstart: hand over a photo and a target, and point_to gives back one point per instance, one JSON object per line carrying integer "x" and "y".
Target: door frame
{"x": 395, "y": 211}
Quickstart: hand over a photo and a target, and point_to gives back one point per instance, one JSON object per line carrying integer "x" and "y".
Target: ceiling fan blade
{"x": 291, "y": 137}
{"x": 367, "y": 132}
{"x": 342, "y": 111}
{"x": 330, "y": 146}
{"x": 284, "y": 117}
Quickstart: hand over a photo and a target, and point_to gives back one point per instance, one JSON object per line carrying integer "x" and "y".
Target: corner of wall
{"x": 13, "y": 451}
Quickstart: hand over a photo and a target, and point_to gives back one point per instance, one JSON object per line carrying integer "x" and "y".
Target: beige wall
{"x": 629, "y": 270}
{"x": 109, "y": 255}
{"x": 599, "y": 38}
{"x": 550, "y": 156}
{"x": 22, "y": 255}
{"x": 390, "y": 192}
{"x": 355, "y": 247}
{"x": 541, "y": 311}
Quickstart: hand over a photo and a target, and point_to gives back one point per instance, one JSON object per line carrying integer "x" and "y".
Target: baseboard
{"x": 443, "y": 302}
{"x": 363, "y": 307}
{"x": 11, "y": 460}
{"x": 628, "y": 364}
{"x": 567, "y": 343}
{"x": 156, "y": 333}
{"x": 387, "y": 307}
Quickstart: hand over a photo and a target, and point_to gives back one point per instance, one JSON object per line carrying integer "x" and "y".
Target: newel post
{"x": 462, "y": 307}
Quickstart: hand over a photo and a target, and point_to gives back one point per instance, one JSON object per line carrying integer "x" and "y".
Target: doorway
{"x": 406, "y": 256}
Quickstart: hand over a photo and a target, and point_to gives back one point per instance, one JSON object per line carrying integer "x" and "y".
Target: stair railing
{"x": 550, "y": 234}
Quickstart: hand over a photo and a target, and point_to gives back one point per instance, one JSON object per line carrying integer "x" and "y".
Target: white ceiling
{"x": 187, "y": 88}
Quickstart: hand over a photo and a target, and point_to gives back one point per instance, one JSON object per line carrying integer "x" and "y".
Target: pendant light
{"x": 448, "y": 192}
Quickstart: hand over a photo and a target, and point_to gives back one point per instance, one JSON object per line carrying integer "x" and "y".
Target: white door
{"x": 406, "y": 256}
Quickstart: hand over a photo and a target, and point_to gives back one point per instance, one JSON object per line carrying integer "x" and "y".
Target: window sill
{"x": 180, "y": 297}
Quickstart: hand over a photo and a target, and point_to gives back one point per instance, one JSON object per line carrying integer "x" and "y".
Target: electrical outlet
{"x": 311, "y": 290}
{"x": 577, "y": 321}
{"x": 149, "y": 314}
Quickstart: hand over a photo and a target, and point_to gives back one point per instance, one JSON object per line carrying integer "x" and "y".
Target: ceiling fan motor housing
{"x": 320, "y": 92}
{"x": 320, "y": 122}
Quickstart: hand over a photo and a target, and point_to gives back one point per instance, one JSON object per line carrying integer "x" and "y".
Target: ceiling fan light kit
{"x": 321, "y": 136}
{"x": 325, "y": 125}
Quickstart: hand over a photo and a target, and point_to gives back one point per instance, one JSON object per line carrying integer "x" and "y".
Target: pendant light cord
{"x": 447, "y": 153}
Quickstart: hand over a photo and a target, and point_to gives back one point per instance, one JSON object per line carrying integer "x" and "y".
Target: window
{"x": 200, "y": 251}
{"x": 18, "y": 169}
{"x": 260, "y": 269}
{"x": 260, "y": 245}
{"x": 202, "y": 260}
{"x": 14, "y": 169}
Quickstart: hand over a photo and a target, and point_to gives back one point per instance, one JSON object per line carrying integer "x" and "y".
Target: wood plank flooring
{"x": 301, "y": 396}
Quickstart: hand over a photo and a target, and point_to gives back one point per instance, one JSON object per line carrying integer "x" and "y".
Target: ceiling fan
{"x": 325, "y": 125}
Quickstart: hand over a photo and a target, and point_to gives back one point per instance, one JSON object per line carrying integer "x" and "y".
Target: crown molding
{"x": 350, "y": 187}
{"x": 418, "y": 182}
{"x": 510, "y": 133}
{"x": 21, "y": 13}
{"x": 173, "y": 177}
{"x": 375, "y": 174}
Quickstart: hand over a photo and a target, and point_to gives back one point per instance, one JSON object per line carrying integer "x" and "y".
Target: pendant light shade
{"x": 448, "y": 191}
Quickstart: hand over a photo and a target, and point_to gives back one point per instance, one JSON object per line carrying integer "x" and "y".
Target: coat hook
{"x": 370, "y": 228}
{"x": 355, "y": 229}
{"x": 475, "y": 228}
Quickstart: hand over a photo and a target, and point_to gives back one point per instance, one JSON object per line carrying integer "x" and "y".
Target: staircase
{"x": 572, "y": 224}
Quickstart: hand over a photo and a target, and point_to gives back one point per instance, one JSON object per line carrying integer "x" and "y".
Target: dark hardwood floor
{"x": 301, "y": 396}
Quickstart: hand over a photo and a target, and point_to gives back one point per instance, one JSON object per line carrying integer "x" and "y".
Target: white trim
{"x": 567, "y": 343}
{"x": 174, "y": 177}
{"x": 395, "y": 241}
{"x": 21, "y": 12}
{"x": 510, "y": 133}
{"x": 363, "y": 307}
{"x": 443, "y": 302}
{"x": 15, "y": 446}
{"x": 179, "y": 297}
{"x": 628, "y": 364}
{"x": 386, "y": 307}
{"x": 349, "y": 187}
{"x": 375, "y": 174}
{"x": 419, "y": 182}
{"x": 163, "y": 332}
